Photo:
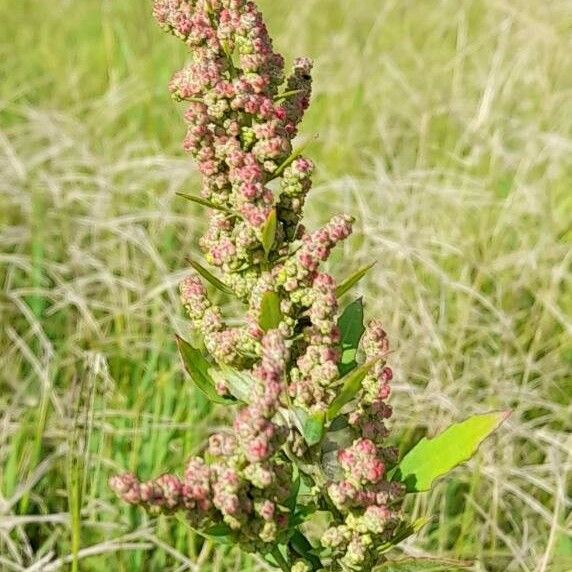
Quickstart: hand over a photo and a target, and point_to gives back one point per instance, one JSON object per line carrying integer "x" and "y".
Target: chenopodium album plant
{"x": 304, "y": 477}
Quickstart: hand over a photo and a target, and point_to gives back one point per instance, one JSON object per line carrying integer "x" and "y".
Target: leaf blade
{"x": 209, "y": 277}
{"x": 351, "y": 331}
{"x": 268, "y": 233}
{"x": 423, "y": 565}
{"x": 352, "y": 383}
{"x": 310, "y": 426}
{"x": 433, "y": 458}
{"x": 203, "y": 202}
{"x": 353, "y": 279}
{"x": 270, "y": 313}
{"x": 197, "y": 367}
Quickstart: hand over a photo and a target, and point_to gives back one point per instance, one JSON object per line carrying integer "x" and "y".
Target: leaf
{"x": 433, "y": 458}
{"x": 198, "y": 368}
{"x": 220, "y": 533}
{"x": 422, "y": 565}
{"x": 403, "y": 531}
{"x": 334, "y": 440}
{"x": 209, "y": 277}
{"x": 218, "y": 530}
{"x": 292, "y": 499}
{"x": 293, "y": 156}
{"x": 351, "y": 385}
{"x": 239, "y": 384}
{"x": 351, "y": 330}
{"x": 315, "y": 526}
{"x": 268, "y": 232}
{"x": 270, "y": 313}
{"x": 204, "y": 203}
{"x": 352, "y": 280}
{"x": 303, "y": 548}
{"x": 311, "y": 426}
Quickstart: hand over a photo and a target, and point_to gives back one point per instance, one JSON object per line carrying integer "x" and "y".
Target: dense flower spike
{"x": 242, "y": 116}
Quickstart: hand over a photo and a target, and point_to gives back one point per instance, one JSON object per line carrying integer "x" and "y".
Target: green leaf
{"x": 303, "y": 548}
{"x": 352, "y": 280}
{"x": 351, "y": 330}
{"x": 220, "y": 533}
{"x": 403, "y": 531}
{"x": 315, "y": 526}
{"x": 239, "y": 384}
{"x": 433, "y": 458}
{"x": 423, "y": 565}
{"x": 311, "y": 426}
{"x": 351, "y": 385}
{"x": 270, "y": 313}
{"x": 268, "y": 232}
{"x": 204, "y": 203}
{"x": 209, "y": 277}
{"x": 198, "y": 368}
{"x": 293, "y": 156}
{"x": 292, "y": 500}
{"x": 334, "y": 440}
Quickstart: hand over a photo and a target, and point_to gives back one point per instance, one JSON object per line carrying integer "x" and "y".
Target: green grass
{"x": 445, "y": 126}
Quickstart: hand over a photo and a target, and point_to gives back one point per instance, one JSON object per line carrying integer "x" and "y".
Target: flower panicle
{"x": 243, "y": 112}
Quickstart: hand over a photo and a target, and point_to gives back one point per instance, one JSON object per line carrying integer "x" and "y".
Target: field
{"x": 445, "y": 126}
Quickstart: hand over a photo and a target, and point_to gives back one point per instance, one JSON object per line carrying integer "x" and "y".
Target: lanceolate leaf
{"x": 270, "y": 314}
{"x": 352, "y": 280}
{"x": 268, "y": 234}
{"x": 204, "y": 202}
{"x": 302, "y": 546}
{"x": 422, "y": 565}
{"x": 351, "y": 385}
{"x": 403, "y": 531}
{"x": 219, "y": 533}
{"x": 311, "y": 426}
{"x": 209, "y": 277}
{"x": 198, "y": 368}
{"x": 239, "y": 384}
{"x": 351, "y": 330}
{"x": 433, "y": 458}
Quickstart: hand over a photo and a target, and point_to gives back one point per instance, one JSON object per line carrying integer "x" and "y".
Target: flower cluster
{"x": 243, "y": 114}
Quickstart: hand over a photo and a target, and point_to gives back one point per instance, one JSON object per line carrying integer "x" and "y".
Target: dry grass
{"x": 446, "y": 128}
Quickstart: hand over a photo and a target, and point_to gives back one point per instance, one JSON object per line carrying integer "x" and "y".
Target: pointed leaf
{"x": 433, "y": 458}
{"x": 204, "y": 202}
{"x": 352, "y": 280}
{"x": 291, "y": 501}
{"x": 303, "y": 548}
{"x": 315, "y": 526}
{"x": 310, "y": 425}
{"x": 351, "y": 330}
{"x": 219, "y": 533}
{"x": 334, "y": 440}
{"x": 268, "y": 232}
{"x": 210, "y": 277}
{"x": 423, "y": 565}
{"x": 403, "y": 531}
{"x": 198, "y": 368}
{"x": 239, "y": 384}
{"x": 270, "y": 313}
{"x": 293, "y": 156}
{"x": 352, "y": 383}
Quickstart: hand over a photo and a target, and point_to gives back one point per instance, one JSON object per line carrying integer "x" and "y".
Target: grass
{"x": 445, "y": 126}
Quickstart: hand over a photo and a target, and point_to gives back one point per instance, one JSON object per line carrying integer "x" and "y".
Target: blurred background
{"x": 445, "y": 126}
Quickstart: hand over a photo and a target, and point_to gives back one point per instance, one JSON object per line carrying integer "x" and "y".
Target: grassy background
{"x": 445, "y": 126}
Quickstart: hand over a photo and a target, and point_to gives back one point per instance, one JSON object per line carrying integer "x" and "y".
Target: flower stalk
{"x": 310, "y": 429}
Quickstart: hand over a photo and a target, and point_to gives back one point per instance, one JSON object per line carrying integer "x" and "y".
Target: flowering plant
{"x": 304, "y": 477}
